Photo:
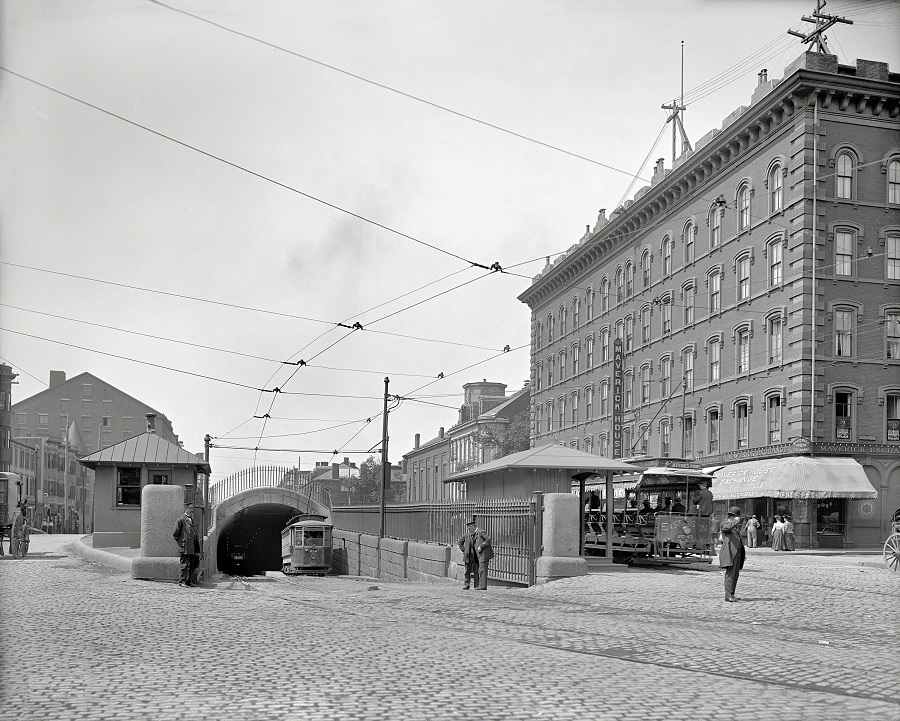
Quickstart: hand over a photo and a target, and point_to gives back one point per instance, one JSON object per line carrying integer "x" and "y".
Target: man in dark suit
{"x": 188, "y": 539}
{"x": 475, "y": 545}
{"x": 731, "y": 554}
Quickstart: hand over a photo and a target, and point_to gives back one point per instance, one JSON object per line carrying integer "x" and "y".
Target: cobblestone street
{"x": 813, "y": 637}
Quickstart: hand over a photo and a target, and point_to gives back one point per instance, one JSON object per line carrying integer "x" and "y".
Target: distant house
{"x": 123, "y": 469}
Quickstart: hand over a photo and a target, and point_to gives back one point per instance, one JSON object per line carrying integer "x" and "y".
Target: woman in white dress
{"x": 778, "y": 534}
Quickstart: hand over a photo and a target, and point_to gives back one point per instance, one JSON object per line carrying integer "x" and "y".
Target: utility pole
{"x": 822, "y": 23}
{"x": 385, "y": 469}
{"x": 675, "y": 117}
{"x": 66, "y": 476}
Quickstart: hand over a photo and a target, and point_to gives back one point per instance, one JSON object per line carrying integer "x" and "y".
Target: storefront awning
{"x": 793, "y": 477}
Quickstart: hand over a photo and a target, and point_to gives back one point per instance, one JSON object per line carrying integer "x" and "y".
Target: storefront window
{"x": 830, "y": 515}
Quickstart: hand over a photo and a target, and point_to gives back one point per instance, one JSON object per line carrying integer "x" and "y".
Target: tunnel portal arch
{"x": 263, "y": 509}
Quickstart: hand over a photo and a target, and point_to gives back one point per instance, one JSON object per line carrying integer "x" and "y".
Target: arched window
{"x": 742, "y": 424}
{"x": 629, "y": 279}
{"x": 690, "y": 235}
{"x": 539, "y": 333}
{"x": 620, "y": 285}
{"x": 604, "y": 398}
{"x": 687, "y": 367}
{"x": 645, "y": 268}
{"x": 589, "y": 403}
{"x": 576, "y": 359}
{"x": 562, "y": 365}
{"x": 743, "y": 204}
{"x": 742, "y": 276}
{"x": 893, "y": 181}
{"x": 845, "y": 175}
{"x": 773, "y": 418}
{"x": 665, "y": 438}
{"x": 892, "y": 256}
{"x": 645, "y": 324}
{"x": 776, "y": 188}
{"x": 549, "y": 416}
{"x": 576, "y": 312}
{"x": 714, "y": 354}
{"x": 713, "y": 427}
{"x": 844, "y": 243}
{"x": 716, "y": 214}
{"x": 539, "y": 375}
{"x": 604, "y": 295}
{"x": 563, "y": 320}
{"x": 667, "y": 256}
{"x": 892, "y": 334}
{"x": 742, "y": 351}
{"x": 589, "y": 352}
{"x": 604, "y": 345}
{"x": 629, "y": 333}
{"x": 590, "y": 304}
{"x": 629, "y": 389}
{"x": 551, "y": 327}
{"x": 715, "y": 292}
{"x": 645, "y": 385}
{"x": 550, "y": 371}
{"x": 665, "y": 382}
{"x": 775, "y": 256}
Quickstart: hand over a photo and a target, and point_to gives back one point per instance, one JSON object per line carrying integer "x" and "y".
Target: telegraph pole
{"x": 822, "y": 22}
{"x": 385, "y": 469}
{"x": 675, "y": 118}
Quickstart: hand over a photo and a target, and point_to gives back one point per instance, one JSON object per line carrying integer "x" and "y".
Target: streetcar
{"x": 306, "y": 545}
{"x": 656, "y": 522}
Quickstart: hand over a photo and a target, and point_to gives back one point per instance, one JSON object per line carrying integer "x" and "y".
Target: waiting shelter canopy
{"x": 793, "y": 477}
{"x": 550, "y": 456}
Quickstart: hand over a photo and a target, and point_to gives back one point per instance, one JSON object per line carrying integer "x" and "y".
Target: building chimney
{"x": 151, "y": 423}
{"x": 441, "y": 433}
{"x": 57, "y": 378}
{"x": 660, "y": 166}
{"x": 346, "y": 460}
{"x": 763, "y": 76}
{"x": 335, "y": 470}
{"x": 416, "y": 442}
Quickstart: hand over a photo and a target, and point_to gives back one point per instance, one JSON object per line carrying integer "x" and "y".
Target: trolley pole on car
{"x": 385, "y": 469}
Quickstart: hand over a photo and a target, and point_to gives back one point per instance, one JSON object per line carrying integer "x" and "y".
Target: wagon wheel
{"x": 892, "y": 552}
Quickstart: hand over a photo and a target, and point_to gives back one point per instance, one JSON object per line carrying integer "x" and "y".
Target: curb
{"x": 104, "y": 558}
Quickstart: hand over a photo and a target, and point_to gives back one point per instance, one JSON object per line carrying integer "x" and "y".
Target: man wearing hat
{"x": 475, "y": 545}
{"x": 731, "y": 554}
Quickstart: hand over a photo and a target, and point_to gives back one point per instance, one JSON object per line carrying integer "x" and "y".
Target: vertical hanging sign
{"x": 618, "y": 397}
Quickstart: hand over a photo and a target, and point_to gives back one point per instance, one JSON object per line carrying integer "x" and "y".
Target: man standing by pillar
{"x": 731, "y": 555}
{"x": 477, "y": 552}
{"x": 185, "y": 534}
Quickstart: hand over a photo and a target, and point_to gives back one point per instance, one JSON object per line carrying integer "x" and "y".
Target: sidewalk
{"x": 119, "y": 558}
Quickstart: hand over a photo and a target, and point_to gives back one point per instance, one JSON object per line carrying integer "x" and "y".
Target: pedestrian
{"x": 788, "y": 534}
{"x": 703, "y": 500}
{"x": 752, "y": 531}
{"x": 778, "y": 534}
{"x": 185, "y": 534}
{"x": 17, "y": 533}
{"x": 732, "y": 553}
{"x": 476, "y": 548}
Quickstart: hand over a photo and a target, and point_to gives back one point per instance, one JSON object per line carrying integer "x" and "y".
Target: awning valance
{"x": 793, "y": 477}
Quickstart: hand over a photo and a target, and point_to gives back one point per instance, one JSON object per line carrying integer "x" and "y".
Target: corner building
{"x": 756, "y": 290}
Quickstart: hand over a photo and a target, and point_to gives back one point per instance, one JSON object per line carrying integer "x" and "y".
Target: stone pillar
{"x": 160, "y": 508}
{"x": 560, "y": 557}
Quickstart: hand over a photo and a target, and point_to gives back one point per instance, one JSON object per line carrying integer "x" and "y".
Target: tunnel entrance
{"x": 250, "y": 544}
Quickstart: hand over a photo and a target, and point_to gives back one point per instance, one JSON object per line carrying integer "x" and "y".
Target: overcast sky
{"x": 209, "y": 183}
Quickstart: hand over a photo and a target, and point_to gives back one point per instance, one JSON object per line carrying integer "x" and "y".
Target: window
{"x": 551, "y": 326}
{"x": 687, "y": 436}
{"x": 892, "y": 335}
{"x": 539, "y": 334}
{"x": 742, "y": 414}
{"x": 893, "y": 181}
{"x": 689, "y": 236}
{"x": 85, "y": 423}
{"x": 843, "y": 421}
{"x": 844, "y": 176}
{"x": 603, "y": 445}
{"x": 604, "y": 398}
{"x": 644, "y": 439}
{"x": 743, "y": 203}
{"x": 574, "y": 418}
{"x": 775, "y": 332}
{"x": 589, "y": 351}
{"x": 588, "y": 445}
{"x": 590, "y": 304}
{"x": 629, "y": 279}
{"x": 645, "y": 324}
{"x": 550, "y": 371}
{"x": 539, "y": 375}
{"x": 538, "y": 419}
{"x": 126, "y": 423}
{"x": 687, "y": 363}
{"x": 843, "y": 253}
{"x": 629, "y": 389}
{"x": 645, "y": 385}
{"x": 774, "y": 253}
{"x": 665, "y": 383}
{"x": 666, "y": 308}
{"x": 665, "y": 438}
{"x": 626, "y": 439}
{"x": 43, "y": 419}
{"x": 576, "y": 312}
{"x": 128, "y": 488}
{"x": 562, "y": 366}
{"x": 604, "y": 345}
{"x": 715, "y": 292}
{"x": 561, "y": 403}
{"x": 715, "y": 227}
{"x": 589, "y": 404}
{"x": 688, "y": 304}
{"x": 892, "y": 243}
{"x": 629, "y": 334}
{"x": 85, "y": 389}
{"x": 575, "y": 360}
{"x": 892, "y": 409}
{"x": 715, "y": 353}
{"x": 620, "y": 286}
{"x": 645, "y": 268}
{"x": 843, "y": 333}
{"x": 549, "y": 416}
{"x": 773, "y": 419}
{"x": 743, "y": 351}
{"x": 667, "y": 256}
{"x": 743, "y": 278}
{"x": 604, "y": 295}
{"x": 776, "y": 189}
{"x": 563, "y": 320}
{"x": 713, "y": 422}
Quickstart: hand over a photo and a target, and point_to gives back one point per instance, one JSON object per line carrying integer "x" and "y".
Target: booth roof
{"x": 793, "y": 477}
{"x": 145, "y": 449}
{"x": 550, "y": 456}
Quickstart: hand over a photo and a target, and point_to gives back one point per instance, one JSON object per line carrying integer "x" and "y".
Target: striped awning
{"x": 793, "y": 477}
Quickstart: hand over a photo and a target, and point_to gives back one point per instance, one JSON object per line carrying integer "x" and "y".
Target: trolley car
{"x": 657, "y": 537}
{"x": 306, "y": 545}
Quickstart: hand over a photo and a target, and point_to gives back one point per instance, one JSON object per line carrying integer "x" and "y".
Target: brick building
{"x": 708, "y": 277}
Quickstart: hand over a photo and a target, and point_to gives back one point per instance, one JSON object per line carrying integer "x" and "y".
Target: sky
{"x": 195, "y": 192}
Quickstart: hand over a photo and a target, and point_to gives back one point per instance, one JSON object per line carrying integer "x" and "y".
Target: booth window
{"x": 128, "y": 487}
